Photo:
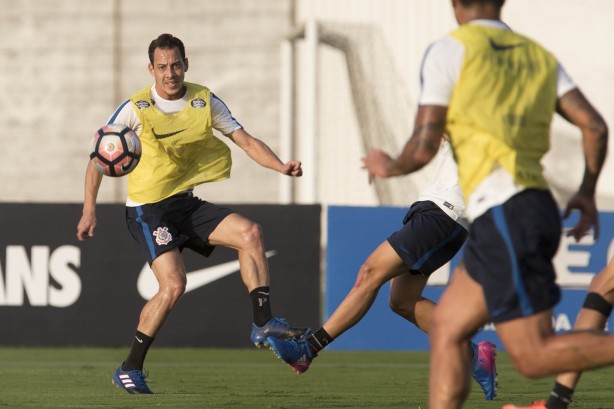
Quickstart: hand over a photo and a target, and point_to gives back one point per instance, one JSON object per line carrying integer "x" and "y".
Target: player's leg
{"x": 153, "y": 226}
{"x": 170, "y": 273}
{"x": 593, "y": 315}
{"x": 506, "y": 273}
{"x": 244, "y": 235}
{"x": 381, "y": 265}
{"x": 537, "y": 352}
{"x": 460, "y": 312}
{"x": 169, "y": 270}
{"x": 407, "y": 301}
{"x": 428, "y": 239}
{"x": 522, "y": 293}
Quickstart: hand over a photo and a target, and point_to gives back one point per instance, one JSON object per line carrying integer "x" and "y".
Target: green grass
{"x": 35, "y": 378}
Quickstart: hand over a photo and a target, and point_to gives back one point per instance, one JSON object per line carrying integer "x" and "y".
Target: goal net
{"x": 363, "y": 103}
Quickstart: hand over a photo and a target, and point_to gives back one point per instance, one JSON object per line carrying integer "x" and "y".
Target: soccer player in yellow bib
{"x": 174, "y": 120}
{"x": 494, "y": 93}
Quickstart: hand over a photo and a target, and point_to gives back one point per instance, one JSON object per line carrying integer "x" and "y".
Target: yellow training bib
{"x": 179, "y": 150}
{"x": 502, "y": 106}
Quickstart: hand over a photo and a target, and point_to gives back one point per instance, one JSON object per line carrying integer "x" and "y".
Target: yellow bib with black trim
{"x": 179, "y": 150}
{"x": 502, "y": 106}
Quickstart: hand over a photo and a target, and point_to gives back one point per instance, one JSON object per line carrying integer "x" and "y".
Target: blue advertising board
{"x": 354, "y": 232}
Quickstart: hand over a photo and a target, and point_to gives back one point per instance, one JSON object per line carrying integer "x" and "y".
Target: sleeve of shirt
{"x": 221, "y": 118}
{"x": 564, "y": 82}
{"x": 125, "y": 114}
{"x": 440, "y": 69}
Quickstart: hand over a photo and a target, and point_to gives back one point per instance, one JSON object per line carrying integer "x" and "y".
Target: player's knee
{"x": 251, "y": 235}
{"x": 528, "y": 368}
{"x": 401, "y": 307}
{"x": 368, "y": 277}
{"x": 442, "y": 329}
{"x": 177, "y": 291}
{"x": 528, "y": 364}
{"x": 173, "y": 289}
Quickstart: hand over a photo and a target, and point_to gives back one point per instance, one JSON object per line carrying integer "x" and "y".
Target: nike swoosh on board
{"x": 166, "y": 135}
{"x": 147, "y": 284}
{"x": 502, "y": 47}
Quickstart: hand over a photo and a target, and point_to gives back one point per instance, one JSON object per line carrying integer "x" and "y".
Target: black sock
{"x": 560, "y": 397}
{"x": 261, "y": 305}
{"x": 139, "y": 349}
{"x": 319, "y": 340}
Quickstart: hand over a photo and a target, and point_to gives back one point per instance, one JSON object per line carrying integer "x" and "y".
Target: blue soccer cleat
{"x": 484, "y": 370}
{"x": 131, "y": 381}
{"x": 276, "y": 327}
{"x": 295, "y": 352}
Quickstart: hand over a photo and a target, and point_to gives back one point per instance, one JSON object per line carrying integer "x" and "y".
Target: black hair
{"x": 166, "y": 41}
{"x": 497, "y": 3}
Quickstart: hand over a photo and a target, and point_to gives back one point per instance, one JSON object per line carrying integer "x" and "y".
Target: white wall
{"x": 67, "y": 64}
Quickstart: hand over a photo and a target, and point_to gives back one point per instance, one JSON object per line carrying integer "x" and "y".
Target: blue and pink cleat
{"x": 484, "y": 369}
{"x": 276, "y": 327}
{"x": 295, "y": 352}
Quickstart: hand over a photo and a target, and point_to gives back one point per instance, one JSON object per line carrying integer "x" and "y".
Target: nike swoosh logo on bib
{"x": 502, "y": 47}
{"x": 166, "y": 135}
{"x": 147, "y": 285}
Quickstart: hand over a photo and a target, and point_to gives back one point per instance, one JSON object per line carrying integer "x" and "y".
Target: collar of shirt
{"x": 491, "y": 23}
{"x": 166, "y": 106}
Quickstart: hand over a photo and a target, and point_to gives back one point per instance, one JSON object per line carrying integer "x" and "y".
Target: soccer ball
{"x": 115, "y": 150}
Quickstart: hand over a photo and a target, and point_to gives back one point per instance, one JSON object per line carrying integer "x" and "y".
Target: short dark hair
{"x": 166, "y": 41}
{"x": 497, "y": 3}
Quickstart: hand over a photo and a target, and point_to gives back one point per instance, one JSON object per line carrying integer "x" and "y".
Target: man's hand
{"x": 376, "y": 162}
{"x": 292, "y": 168}
{"x": 86, "y": 226}
{"x": 588, "y": 216}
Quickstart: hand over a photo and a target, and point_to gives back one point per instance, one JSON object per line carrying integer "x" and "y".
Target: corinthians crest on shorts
{"x": 162, "y": 236}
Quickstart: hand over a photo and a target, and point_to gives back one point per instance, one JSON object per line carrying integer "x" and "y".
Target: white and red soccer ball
{"x": 115, "y": 150}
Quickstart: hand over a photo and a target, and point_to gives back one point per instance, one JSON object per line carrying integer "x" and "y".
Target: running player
{"x": 499, "y": 93}
{"x": 433, "y": 231}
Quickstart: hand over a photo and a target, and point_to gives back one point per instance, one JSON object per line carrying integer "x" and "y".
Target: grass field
{"x": 35, "y": 378}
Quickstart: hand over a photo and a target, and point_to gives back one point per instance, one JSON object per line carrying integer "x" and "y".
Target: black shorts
{"x": 428, "y": 239}
{"x": 509, "y": 252}
{"x": 178, "y": 221}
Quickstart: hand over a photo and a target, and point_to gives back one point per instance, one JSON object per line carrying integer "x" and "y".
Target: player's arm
{"x": 223, "y": 121}
{"x": 421, "y": 147}
{"x": 124, "y": 114}
{"x": 87, "y": 223}
{"x": 574, "y": 107}
{"x": 262, "y": 154}
{"x": 439, "y": 72}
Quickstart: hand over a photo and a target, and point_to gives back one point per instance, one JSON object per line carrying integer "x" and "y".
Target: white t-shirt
{"x": 221, "y": 118}
{"x": 443, "y": 189}
{"x": 440, "y": 70}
